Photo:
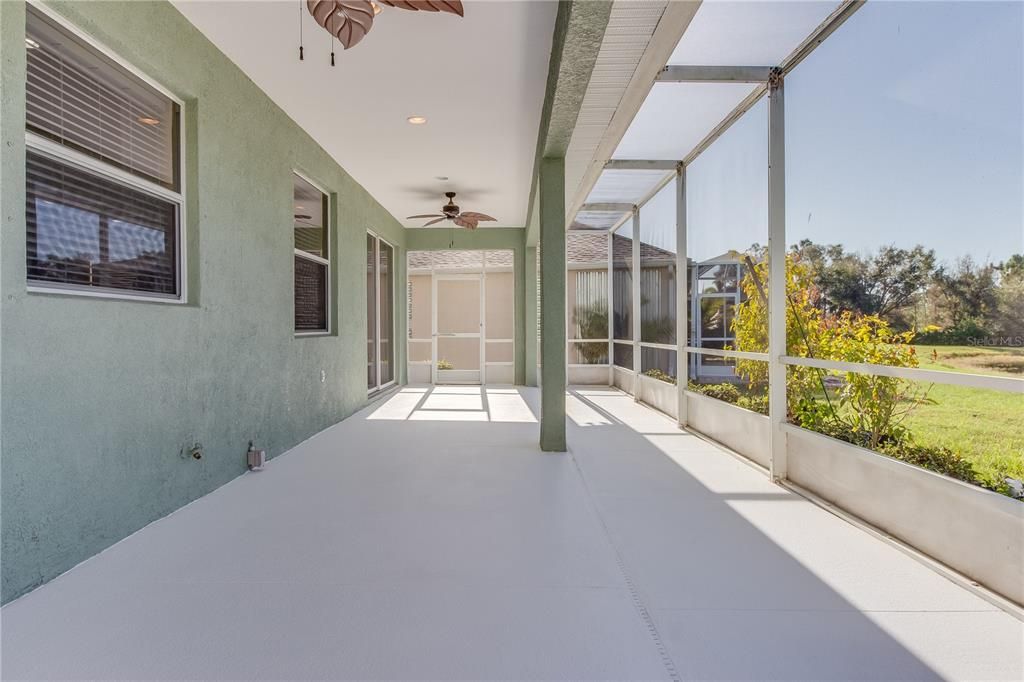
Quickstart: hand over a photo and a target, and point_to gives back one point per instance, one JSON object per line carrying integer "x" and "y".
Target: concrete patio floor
{"x": 427, "y": 537}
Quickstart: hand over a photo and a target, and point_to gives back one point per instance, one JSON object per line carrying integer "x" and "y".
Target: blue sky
{"x": 904, "y": 127}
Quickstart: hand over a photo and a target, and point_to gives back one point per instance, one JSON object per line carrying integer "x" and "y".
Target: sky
{"x": 904, "y": 127}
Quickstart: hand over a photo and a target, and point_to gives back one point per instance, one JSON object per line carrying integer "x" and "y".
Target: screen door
{"x": 458, "y": 329}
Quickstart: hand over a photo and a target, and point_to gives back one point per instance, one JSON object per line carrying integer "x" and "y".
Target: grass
{"x": 985, "y": 426}
{"x": 1007, "y": 362}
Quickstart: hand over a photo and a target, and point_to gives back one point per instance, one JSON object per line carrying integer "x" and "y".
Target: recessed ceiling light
{"x": 148, "y": 121}
{"x": 31, "y": 44}
{"x": 417, "y": 120}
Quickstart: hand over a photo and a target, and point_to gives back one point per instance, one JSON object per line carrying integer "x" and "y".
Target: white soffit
{"x": 479, "y": 81}
{"x": 626, "y": 40}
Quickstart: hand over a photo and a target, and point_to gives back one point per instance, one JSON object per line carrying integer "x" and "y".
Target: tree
{"x": 1012, "y": 267}
{"x": 968, "y": 293}
{"x": 1009, "y": 319}
{"x": 897, "y": 276}
{"x": 883, "y": 284}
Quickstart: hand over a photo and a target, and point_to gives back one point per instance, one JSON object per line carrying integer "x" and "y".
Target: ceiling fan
{"x": 350, "y": 20}
{"x": 450, "y": 211}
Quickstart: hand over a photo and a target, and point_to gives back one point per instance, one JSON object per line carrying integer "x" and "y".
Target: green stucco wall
{"x": 98, "y": 397}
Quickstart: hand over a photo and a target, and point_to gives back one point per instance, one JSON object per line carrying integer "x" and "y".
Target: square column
{"x": 530, "y": 318}
{"x": 777, "y": 275}
{"x": 552, "y": 304}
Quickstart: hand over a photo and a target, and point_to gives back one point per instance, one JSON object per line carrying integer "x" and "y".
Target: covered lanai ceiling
{"x": 479, "y": 80}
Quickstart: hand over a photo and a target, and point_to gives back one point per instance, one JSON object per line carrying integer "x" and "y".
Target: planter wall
{"x": 622, "y": 379}
{"x": 419, "y": 373}
{"x": 746, "y": 432}
{"x": 975, "y": 531}
{"x": 660, "y": 395}
{"x": 582, "y": 376}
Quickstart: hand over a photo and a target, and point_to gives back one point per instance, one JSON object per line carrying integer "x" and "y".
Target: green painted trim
{"x": 552, "y": 305}
{"x": 531, "y": 316}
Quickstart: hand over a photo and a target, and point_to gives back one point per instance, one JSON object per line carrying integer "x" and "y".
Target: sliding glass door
{"x": 380, "y": 319}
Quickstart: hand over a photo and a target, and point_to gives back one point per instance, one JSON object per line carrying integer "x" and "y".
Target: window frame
{"x": 377, "y": 240}
{"x": 326, "y": 262}
{"x": 67, "y": 155}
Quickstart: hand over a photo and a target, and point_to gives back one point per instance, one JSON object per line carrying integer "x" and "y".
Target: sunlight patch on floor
{"x": 456, "y": 403}
{"x": 582, "y": 414}
{"x": 506, "y": 405}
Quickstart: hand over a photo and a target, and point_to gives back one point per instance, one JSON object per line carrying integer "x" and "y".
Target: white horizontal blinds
{"x": 309, "y": 228}
{"x": 85, "y": 101}
{"x": 85, "y": 230}
{"x": 310, "y": 295}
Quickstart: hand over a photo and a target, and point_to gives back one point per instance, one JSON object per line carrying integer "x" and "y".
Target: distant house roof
{"x": 589, "y": 246}
{"x": 583, "y": 247}
{"x": 459, "y": 259}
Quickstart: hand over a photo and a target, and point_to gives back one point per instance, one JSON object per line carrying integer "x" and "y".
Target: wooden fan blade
{"x": 434, "y": 222}
{"x": 473, "y": 215}
{"x": 449, "y": 6}
{"x": 347, "y": 20}
{"x": 465, "y": 222}
{"x": 425, "y": 215}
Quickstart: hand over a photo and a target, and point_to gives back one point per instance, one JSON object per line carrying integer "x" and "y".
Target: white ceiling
{"x": 479, "y": 80}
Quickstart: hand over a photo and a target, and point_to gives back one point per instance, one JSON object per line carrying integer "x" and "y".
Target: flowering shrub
{"x": 872, "y": 406}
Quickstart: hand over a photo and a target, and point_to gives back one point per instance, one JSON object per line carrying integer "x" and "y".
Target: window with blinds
{"x": 103, "y": 178}
{"x": 312, "y": 256}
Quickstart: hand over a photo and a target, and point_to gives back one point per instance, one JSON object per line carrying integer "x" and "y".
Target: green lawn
{"x": 986, "y": 427}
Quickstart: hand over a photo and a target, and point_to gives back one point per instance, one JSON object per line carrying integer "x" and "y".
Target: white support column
{"x": 611, "y": 308}
{"x": 636, "y": 303}
{"x": 682, "y": 281}
{"x": 777, "y": 275}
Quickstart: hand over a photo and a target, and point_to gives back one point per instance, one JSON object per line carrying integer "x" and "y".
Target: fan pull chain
{"x": 301, "y": 56}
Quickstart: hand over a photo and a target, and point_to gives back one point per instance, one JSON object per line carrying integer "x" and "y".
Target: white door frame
{"x": 458, "y": 376}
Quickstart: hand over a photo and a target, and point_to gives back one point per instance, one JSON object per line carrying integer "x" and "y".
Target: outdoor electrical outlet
{"x": 193, "y": 451}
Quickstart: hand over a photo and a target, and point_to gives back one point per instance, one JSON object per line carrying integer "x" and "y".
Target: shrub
{"x": 964, "y": 333}
{"x": 754, "y": 403}
{"x": 592, "y": 322}
{"x": 444, "y": 364}
{"x": 660, "y": 376}
{"x": 725, "y": 392}
{"x": 934, "y": 458}
{"x": 870, "y": 404}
